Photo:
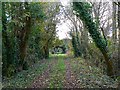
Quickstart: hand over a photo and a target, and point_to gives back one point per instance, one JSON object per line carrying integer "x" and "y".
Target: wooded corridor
{"x": 61, "y": 44}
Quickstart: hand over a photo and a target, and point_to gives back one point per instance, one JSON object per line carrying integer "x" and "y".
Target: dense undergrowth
{"x": 91, "y": 76}
{"x": 25, "y": 78}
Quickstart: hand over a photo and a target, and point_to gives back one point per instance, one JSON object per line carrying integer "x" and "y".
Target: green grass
{"x": 58, "y": 75}
{"x": 57, "y": 55}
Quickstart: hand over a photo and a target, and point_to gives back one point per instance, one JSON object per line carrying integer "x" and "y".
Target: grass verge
{"x": 24, "y": 78}
{"x": 91, "y": 76}
{"x": 58, "y": 74}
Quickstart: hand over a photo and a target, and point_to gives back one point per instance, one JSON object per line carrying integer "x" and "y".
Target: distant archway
{"x": 59, "y": 49}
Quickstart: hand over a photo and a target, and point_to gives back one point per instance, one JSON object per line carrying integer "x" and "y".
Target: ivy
{"x": 82, "y": 11}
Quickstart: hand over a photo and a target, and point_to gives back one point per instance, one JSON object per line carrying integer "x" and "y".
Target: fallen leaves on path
{"x": 63, "y": 72}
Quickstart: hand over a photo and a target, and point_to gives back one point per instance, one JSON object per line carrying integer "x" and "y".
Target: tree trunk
{"x": 46, "y": 51}
{"x": 80, "y": 8}
{"x": 6, "y": 42}
{"x": 23, "y": 44}
{"x": 119, "y": 35}
{"x": 109, "y": 64}
{"x": 114, "y": 29}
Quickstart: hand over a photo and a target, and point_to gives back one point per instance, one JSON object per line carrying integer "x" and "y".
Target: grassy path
{"x": 66, "y": 72}
{"x": 59, "y": 74}
{"x": 61, "y": 71}
{"x": 53, "y": 77}
{"x": 42, "y": 80}
{"x": 71, "y": 78}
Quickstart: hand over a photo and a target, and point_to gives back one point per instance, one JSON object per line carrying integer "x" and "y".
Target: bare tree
{"x": 114, "y": 29}
{"x": 102, "y": 16}
{"x": 119, "y": 34}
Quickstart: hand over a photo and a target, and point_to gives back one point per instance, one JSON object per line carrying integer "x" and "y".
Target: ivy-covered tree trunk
{"x": 119, "y": 35}
{"x": 82, "y": 11}
{"x": 78, "y": 42}
{"x": 23, "y": 43}
{"x": 46, "y": 51}
{"x": 84, "y": 42}
{"x": 7, "y": 60}
{"x": 76, "y": 45}
{"x": 24, "y": 40}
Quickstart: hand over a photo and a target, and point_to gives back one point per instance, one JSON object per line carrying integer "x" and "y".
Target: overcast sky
{"x": 63, "y": 29}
